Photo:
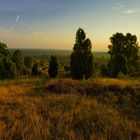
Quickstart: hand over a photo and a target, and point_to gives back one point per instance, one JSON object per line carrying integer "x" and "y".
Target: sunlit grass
{"x": 30, "y": 110}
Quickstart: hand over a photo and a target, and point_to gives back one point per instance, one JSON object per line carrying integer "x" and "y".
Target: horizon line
{"x": 52, "y": 49}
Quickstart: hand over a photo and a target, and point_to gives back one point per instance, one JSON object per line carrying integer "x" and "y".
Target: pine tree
{"x": 53, "y": 67}
{"x": 81, "y": 63}
{"x": 35, "y": 69}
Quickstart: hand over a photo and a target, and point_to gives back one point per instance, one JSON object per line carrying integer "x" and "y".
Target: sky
{"x": 52, "y": 24}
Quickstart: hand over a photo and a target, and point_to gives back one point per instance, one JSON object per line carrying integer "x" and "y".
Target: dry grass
{"x": 95, "y": 87}
{"x": 29, "y": 110}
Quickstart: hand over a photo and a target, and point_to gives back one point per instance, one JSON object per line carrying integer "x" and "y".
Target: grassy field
{"x": 35, "y": 108}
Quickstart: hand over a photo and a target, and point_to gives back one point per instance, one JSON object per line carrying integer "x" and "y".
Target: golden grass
{"x": 120, "y": 82}
{"x": 29, "y": 113}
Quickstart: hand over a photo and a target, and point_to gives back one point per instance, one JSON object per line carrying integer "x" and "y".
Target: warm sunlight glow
{"x": 52, "y": 24}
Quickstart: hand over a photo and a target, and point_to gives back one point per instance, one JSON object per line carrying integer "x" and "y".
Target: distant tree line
{"x": 123, "y": 51}
{"x": 14, "y": 64}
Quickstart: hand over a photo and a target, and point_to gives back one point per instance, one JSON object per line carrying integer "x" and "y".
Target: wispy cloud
{"x": 118, "y": 6}
{"x": 131, "y": 11}
{"x": 124, "y": 9}
{"x": 14, "y": 25}
{"x": 17, "y": 18}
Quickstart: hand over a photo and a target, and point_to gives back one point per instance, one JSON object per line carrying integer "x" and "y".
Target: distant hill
{"x": 40, "y": 52}
{"x": 48, "y": 52}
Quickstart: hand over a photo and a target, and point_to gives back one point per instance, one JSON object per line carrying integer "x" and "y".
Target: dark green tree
{"x": 4, "y": 51}
{"x": 123, "y": 52}
{"x": 36, "y": 69}
{"x": 118, "y": 64}
{"x": 132, "y": 52}
{"x": 29, "y": 61}
{"x": 19, "y": 61}
{"x": 53, "y": 67}
{"x": 28, "y": 64}
{"x": 81, "y": 63}
{"x": 7, "y": 67}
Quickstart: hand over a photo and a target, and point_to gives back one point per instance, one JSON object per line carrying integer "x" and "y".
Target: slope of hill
{"x": 46, "y": 109}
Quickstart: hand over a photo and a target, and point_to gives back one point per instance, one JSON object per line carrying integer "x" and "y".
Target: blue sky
{"x": 52, "y": 23}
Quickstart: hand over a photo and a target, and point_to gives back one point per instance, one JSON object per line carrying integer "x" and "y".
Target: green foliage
{"x": 28, "y": 64}
{"x": 118, "y": 64}
{"x": 7, "y": 69}
{"x": 53, "y": 67}
{"x": 124, "y": 52}
{"x": 36, "y": 69}
{"x": 19, "y": 61}
{"x": 3, "y": 50}
{"x": 81, "y": 62}
{"x": 28, "y": 61}
{"x": 122, "y": 76}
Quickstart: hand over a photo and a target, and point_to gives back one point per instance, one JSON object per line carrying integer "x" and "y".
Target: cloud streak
{"x": 17, "y": 18}
{"x": 14, "y": 25}
{"x": 122, "y": 8}
{"x": 131, "y": 11}
{"x": 118, "y": 6}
